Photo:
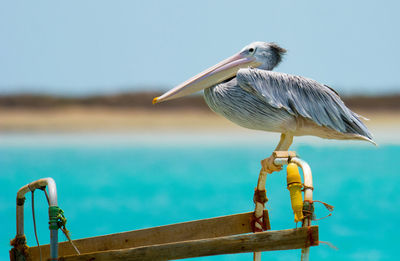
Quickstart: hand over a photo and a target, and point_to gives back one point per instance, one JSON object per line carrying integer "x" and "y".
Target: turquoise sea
{"x": 113, "y": 183}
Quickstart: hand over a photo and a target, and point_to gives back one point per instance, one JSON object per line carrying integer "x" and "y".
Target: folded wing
{"x": 304, "y": 97}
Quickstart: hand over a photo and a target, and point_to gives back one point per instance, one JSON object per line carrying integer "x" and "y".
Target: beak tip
{"x": 155, "y": 100}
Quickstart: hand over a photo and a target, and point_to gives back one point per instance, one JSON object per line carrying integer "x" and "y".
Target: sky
{"x": 95, "y": 46}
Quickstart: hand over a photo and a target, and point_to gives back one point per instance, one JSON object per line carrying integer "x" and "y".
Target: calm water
{"x": 106, "y": 188}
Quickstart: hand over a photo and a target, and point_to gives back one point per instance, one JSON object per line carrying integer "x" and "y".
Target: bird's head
{"x": 261, "y": 55}
{"x": 269, "y": 55}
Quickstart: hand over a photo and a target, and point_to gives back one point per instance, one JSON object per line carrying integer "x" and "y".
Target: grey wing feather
{"x": 302, "y": 97}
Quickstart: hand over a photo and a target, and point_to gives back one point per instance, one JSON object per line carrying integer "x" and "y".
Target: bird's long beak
{"x": 212, "y": 76}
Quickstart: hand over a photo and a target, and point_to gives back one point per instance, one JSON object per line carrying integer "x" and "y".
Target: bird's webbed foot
{"x": 269, "y": 166}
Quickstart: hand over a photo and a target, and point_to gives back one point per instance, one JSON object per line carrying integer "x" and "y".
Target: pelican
{"x": 245, "y": 90}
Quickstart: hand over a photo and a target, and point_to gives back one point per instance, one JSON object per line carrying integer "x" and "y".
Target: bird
{"x": 244, "y": 89}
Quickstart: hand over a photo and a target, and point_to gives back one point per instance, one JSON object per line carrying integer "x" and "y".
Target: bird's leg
{"x": 283, "y": 145}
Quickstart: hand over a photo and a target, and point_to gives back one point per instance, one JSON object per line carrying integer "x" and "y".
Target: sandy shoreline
{"x": 80, "y": 119}
{"x": 106, "y": 119}
{"x": 385, "y": 125}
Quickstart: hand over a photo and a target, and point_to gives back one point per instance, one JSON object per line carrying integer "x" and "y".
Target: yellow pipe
{"x": 294, "y": 186}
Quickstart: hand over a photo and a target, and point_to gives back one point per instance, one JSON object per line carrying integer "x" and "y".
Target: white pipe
{"x": 54, "y": 244}
{"x": 52, "y": 193}
{"x": 308, "y": 184}
{"x": 308, "y": 196}
{"x": 308, "y": 192}
{"x": 281, "y": 161}
{"x": 259, "y": 209}
{"x": 49, "y": 182}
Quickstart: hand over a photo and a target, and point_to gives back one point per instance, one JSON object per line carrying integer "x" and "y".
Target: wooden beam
{"x": 284, "y": 154}
{"x": 263, "y": 241}
{"x": 199, "y": 229}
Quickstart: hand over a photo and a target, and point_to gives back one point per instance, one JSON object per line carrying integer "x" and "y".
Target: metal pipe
{"x": 307, "y": 174}
{"x": 308, "y": 192}
{"x": 54, "y": 244}
{"x": 308, "y": 196}
{"x": 52, "y": 192}
{"x": 259, "y": 209}
{"x": 308, "y": 183}
{"x": 281, "y": 161}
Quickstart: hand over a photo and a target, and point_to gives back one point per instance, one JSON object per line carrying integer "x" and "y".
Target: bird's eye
{"x": 251, "y": 50}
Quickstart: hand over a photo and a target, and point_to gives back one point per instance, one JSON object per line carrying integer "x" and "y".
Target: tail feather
{"x": 357, "y": 127}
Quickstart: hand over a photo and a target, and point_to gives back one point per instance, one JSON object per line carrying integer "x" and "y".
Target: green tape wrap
{"x": 56, "y": 218}
{"x": 53, "y": 217}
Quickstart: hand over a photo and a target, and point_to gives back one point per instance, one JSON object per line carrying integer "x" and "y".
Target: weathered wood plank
{"x": 263, "y": 241}
{"x": 199, "y": 229}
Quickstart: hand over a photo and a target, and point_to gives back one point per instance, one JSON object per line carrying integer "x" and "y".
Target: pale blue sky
{"x": 80, "y": 47}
